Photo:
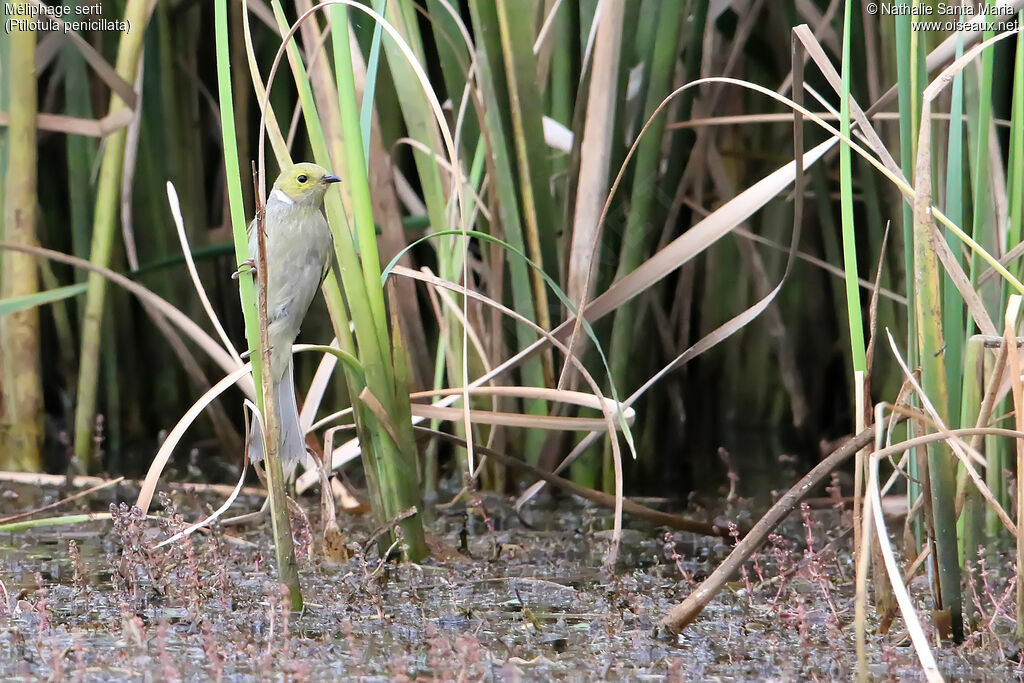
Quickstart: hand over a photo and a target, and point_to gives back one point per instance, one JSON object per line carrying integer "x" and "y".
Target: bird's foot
{"x": 246, "y": 266}
{"x": 246, "y": 355}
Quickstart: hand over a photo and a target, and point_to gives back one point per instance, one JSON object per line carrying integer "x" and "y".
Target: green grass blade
{"x": 372, "y": 67}
{"x": 14, "y": 304}
{"x": 853, "y": 307}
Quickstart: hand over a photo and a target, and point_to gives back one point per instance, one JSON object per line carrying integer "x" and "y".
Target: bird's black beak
{"x": 331, "y": 179}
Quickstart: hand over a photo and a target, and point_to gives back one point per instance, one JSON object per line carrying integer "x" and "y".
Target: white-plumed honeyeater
{"x": 300, "y": 249}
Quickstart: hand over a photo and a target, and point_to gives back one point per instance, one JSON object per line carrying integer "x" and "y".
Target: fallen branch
{"x": 683, "y": 614}
{"x": 35, "y": 479}
{"x": 75, "y": 496}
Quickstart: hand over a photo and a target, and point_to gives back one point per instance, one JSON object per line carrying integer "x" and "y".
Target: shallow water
{"x": 515, "y": 603}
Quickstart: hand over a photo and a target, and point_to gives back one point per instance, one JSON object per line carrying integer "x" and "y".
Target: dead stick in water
{"x": 683, "y": 614}
{"x": 80, "y": 480}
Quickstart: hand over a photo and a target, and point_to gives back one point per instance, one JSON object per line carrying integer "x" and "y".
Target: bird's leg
{"x": 246, "y": 266}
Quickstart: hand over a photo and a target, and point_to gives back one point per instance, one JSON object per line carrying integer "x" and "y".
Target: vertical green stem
{"x": 909, "y": 94}
{"x": 386, "y": 378}
{"x": 21, "y": 392}
{"x": 930, "y": 345}
{"x": 283, "y": 545}
{"x": 846, "y": 204}
{"x": 952, "y": 304}
{"x": 104, "y": 224}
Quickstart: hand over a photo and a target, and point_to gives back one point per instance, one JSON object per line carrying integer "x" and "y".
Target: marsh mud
{"x": 505, "y": 598}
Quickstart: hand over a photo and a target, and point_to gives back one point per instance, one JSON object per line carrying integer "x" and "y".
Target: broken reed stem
{"x": 284, "y": 548}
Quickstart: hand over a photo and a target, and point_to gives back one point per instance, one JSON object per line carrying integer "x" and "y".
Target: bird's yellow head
{"x": 304, "y": 183}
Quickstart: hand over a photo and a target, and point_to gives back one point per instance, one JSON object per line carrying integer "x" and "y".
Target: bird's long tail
{"x": 292, "y": 448}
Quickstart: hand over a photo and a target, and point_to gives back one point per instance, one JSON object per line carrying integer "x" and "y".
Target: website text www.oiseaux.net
{"x": 950, "y": 17}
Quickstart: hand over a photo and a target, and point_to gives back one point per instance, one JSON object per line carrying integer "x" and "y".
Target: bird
{"x": 300, "y": 251}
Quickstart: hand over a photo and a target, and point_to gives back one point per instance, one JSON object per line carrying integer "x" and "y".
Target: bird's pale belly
{"x": 293, "y": 277}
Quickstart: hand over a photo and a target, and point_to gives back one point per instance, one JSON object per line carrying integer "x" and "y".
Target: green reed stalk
{"x": 952, "y": 304}
{"x": 384, "y": 360}
{"x": 972, "y": 520}
{"x": 909, "y": 88}
{"x": 104, "y": 225}
{"x": 930, "y": 344}
{"x": 281, "y": 525}
{"x": 21, "y": 392}
{"x": 983, "y": 228}
{"x": 853, "y": 307}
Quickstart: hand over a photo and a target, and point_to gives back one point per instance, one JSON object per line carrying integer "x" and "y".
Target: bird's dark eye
{"x": 302, "y": 178}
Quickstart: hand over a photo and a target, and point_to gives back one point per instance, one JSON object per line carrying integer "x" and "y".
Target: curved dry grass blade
{"x": 702, "y": 235}
{"x": 910, "y": 620}
{"x": 897, "y": 581}
{"x": 182, "y": 321}
{"x": 506, "y": 419}
{"x": 578, "y": 398}
{"x": 592, "y": 193}
{"x": 815, "y": 51}
{"x": 230, "y": 499}
{"x": 131, "y": 150}
{"x": 705, "y": 232}
{"x": 712, "y": 339}
{"x": 169, "y": 444}
{"x": 315, "y": 393}
{"x": 186, "y": 251}
{"x": 736, "y": 210}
